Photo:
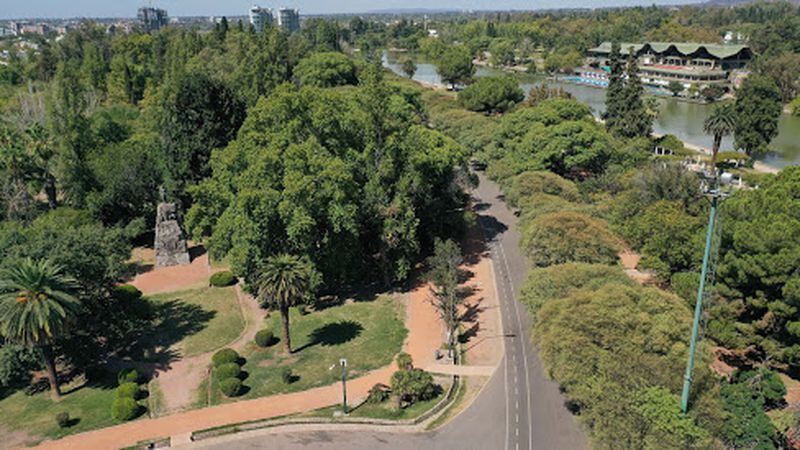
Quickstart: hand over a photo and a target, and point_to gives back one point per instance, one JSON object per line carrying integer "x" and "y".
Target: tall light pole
{"x": 716, "y": 196}
{"x": 343, "y": 363}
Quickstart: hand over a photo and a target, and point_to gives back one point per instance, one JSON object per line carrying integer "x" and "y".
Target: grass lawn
{"x": 198, "y": 320}
{"x": 89, "y": 407}
{"x": 369, "y": 334}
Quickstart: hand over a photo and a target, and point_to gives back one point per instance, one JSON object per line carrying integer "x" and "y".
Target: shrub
{"x": 225, "y": 356}
{"x": 413, "y": 385}
{"x": 222, "y": 279}
{"x": 227, "y": 370}
{"x": 264, "y": 338}
{"x": 404, "y": 361}
{"x": 62, "y": 419}
{"x": 127, "y": 293}
{"x": 287, "y": 376}
{"x": 231, "y": 387}
{"x": 128, "y": 390}
{"x": 378, "y": 393}
{"x": 128, "y": 376}
{"x": 124, "y": 408}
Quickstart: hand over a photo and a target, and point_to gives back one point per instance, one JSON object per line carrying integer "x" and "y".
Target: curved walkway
{"x": 424, "y": 337}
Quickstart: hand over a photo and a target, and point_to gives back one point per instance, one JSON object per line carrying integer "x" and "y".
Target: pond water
{"x": 683, "y": 119}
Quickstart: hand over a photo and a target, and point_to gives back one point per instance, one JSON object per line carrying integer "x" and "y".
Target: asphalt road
{"x": 519, "y": 409}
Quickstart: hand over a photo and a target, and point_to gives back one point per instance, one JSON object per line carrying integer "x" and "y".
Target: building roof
{"x": 720, "y": 51}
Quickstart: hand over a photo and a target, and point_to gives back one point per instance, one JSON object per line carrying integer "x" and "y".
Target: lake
{"x": 683, "y": 119}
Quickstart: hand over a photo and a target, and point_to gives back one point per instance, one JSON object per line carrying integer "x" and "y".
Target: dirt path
{"x": 176, "y": 278}
{"x": 180, "y": 381}
{"x": 630, "y": 262}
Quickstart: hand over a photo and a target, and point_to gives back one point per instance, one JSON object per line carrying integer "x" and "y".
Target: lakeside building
{"x": 260, "y": 18}
{"x": 152, "y": 19}
{"x": 289, "y": 20}
{"x": 691, "y": 64}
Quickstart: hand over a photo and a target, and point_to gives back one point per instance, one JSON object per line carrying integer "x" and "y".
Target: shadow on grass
{"x": 335, "y": 333}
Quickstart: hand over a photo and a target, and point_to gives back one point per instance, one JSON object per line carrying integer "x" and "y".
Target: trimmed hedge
{"x": 222, "y": 279}
{"x": 231, "y": 387}
{"x": 124, "y": 409}
{"x": 225, "y": 356}
{"x": 128, "y": 390}
{"x": 227, "y": 370}
{"x": 127, "y": 293}
{"x": 265, "y": 338}
{"x": 128, "y": 376}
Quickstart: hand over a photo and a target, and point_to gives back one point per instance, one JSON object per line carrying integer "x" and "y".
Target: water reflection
{"x": 682, "y": 119}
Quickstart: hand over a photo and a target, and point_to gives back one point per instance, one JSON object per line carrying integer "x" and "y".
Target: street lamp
{"x": 343, "y": 365}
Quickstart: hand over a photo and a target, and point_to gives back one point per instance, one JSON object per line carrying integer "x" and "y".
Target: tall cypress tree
{"x": 615, "y": 101}
{"x": 636, "y": 122}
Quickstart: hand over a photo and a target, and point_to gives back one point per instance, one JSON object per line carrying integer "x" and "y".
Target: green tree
{"x": 746, "y": 426}
{"x": 757, "y": 108}
{"x": 444, "y": 273}
{"x": 409, "y": 67}
{"x": 411, "y": 386}
{"x": 561, "y": 237}
{"x": 615, "y": 94}
{"x": 720, "y": 123}
{"x": 286, "y": 281}
{"x": 36, "y": 305}
{"x": 676, "y": 87}
{"x": 491, "y": 95}
{"x": 326, "y": 70}
{"x": 197, "y": 114}
{"x": 455, "y": 66}
{"x": 636, "y": 122}
{"x": 502, "y": 51}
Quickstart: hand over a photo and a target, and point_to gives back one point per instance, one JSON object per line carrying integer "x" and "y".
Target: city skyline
{"x": 51, "y": 9}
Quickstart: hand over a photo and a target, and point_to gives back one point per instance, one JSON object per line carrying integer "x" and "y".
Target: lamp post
{"x": 343, "y": 363}
{"x": 716, "y": 196}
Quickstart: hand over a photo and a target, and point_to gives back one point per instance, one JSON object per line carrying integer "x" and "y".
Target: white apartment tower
{"x": 289, "y": 19}
{"x": 260, "y": 18}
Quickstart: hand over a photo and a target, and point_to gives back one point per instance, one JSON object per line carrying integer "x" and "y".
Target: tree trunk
{"x": 714, "y": 151}
{"x": 50, "y": 191}
{"x": 287, "y": 341}
{"x": 52, "y": 376}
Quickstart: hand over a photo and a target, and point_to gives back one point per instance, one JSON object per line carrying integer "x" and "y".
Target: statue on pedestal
{"x": 170, "y": 243}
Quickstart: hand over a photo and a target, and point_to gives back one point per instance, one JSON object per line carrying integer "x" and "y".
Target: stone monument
{"x": 170, "y": 241}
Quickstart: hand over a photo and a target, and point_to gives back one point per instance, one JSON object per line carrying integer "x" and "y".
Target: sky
{"x": 10, "y": 9}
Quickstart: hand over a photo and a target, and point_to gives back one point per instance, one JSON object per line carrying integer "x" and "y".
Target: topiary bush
{"x": 231, "y": 387}
{"x": 127, "y": 293}
{"x": 225, "y": 356}
{"x": 62, "y": 419}
{"x": 128, "y": 376}
{"x": 222, "y": 279}
{"x": 128, "y": 390}
{"x": 264, "y": 338}
{"x": 227, "y": 370}
{"x": 124, "y": 408}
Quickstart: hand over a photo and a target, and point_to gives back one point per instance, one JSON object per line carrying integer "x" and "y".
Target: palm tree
{"x": 720, "y": 123}
{"x": 286, "y": 281}
{"x": 36, "y": 306}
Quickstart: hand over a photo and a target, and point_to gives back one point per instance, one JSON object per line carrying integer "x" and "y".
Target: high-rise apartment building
{"x": 260, "y": 18}
{"x": 151, "y": 19}
{"x": 289, "y": 19}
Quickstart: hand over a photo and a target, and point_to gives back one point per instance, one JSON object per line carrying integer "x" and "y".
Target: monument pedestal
{"x": 170, "y": 243}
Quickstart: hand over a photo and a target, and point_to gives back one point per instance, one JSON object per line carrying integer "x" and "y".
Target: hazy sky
{"x": 127, "y": 8}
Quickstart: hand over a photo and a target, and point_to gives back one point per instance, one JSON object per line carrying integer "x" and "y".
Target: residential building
{"x": 660, "y": 63}
{"x": 260, "y": 18}
{"x": 289, "y": 19}
{"x": 152, "y": 19}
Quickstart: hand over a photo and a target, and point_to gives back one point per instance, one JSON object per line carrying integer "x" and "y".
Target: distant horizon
{"x": 126, "y": 9}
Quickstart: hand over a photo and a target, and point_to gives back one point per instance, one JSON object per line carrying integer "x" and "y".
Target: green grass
{"x": 89, "y": 407}
{"x": 197, "y": 321}
{"x": 368, "y": 334}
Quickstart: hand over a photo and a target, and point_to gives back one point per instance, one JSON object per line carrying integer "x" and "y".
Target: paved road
{"x": 519, "y": 409}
